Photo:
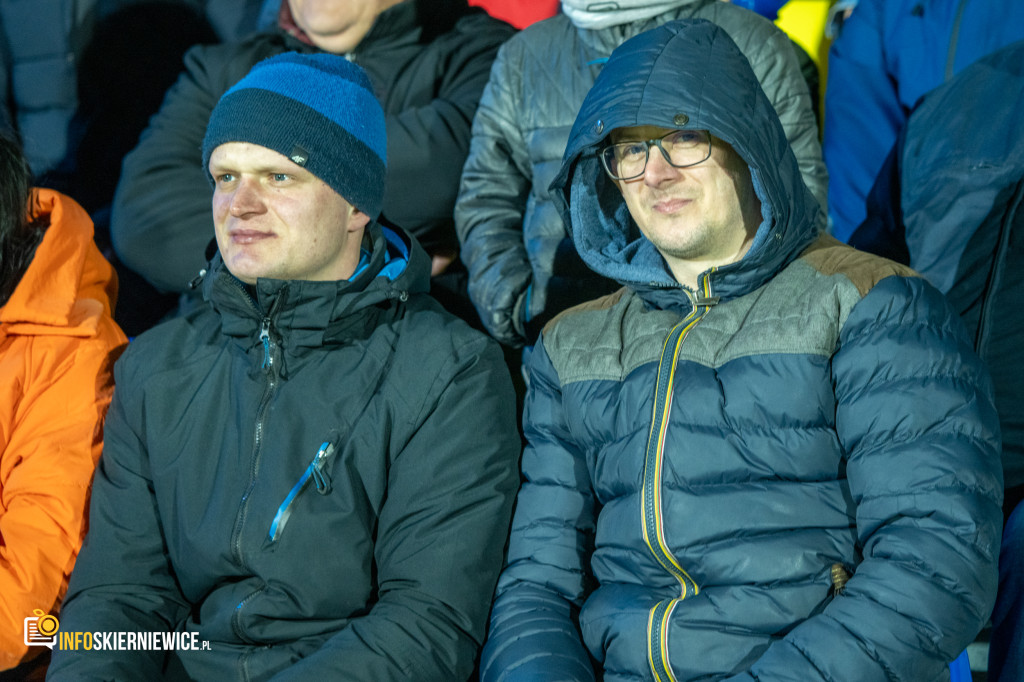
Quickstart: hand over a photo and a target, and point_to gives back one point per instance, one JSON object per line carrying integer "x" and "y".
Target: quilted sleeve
{"x": 916, "y": 419}
{"x": 534, "y": 633}
{"x": 489, "y": 214}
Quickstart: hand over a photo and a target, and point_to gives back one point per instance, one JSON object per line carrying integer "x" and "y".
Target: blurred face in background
{"x": 337, "y": 26}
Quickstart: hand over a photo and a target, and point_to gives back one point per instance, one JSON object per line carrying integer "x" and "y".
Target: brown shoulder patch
{"x": 829, "y": 256}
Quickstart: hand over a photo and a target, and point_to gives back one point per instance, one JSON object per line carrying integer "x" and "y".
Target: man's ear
{"x": 358, "y": 220}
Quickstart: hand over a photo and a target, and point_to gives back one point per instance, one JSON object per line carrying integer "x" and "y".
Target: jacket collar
{"x": 306, "y": 314}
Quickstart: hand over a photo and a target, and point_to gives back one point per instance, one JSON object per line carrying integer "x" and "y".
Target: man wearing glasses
{"x": 767, "y": 456}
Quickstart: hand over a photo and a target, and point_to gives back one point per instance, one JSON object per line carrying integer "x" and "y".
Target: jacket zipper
{"x": 314, "y": 471}
{"x": 269, "y": 353}
{"x": 650, "y": 495}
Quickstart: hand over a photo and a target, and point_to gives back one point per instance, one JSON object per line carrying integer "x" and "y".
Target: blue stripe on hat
{"x": 346, "y": 103}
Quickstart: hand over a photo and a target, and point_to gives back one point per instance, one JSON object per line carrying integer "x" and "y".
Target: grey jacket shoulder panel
{"x": 801, "y": 310}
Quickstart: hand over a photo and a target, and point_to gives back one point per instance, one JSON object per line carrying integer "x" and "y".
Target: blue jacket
{"x": 705, "y": 467}
{"x": 949, "y": 203}
{"x": 889, "y": 54}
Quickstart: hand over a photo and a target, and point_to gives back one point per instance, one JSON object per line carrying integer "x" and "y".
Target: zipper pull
{"x": 194, "y": 282}
{"x": 320, "y": 477}
{"x": 314, "y": 470}
{"x": 265, "y": 339}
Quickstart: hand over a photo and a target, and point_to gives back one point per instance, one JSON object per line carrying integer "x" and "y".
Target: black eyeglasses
{"x": 681, "y": 148}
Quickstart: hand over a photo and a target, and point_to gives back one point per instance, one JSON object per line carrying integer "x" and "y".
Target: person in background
{"x": 949, "y": 202}
{"x": 1006, "y": 648}
{"x": 41, "y": 43}
{"x": 888, "y": 54}
{"x": 294, "y": 471}
{"x": 523, "y": 267}
{"x": 58, "y": 343}
{"x": 428, "y": 61}
{"x": 768, "y": 455}
{"x": 519, "y": 13}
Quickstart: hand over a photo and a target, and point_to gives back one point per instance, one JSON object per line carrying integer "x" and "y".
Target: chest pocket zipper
{"x": 315, "y": 471}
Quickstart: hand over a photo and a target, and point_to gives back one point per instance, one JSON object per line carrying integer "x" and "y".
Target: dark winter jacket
{"x": 300, "y": 476}
{"x": 701, "y": 463}
{"x": 428, "y": 61}
{"x": 950, "y": 203}
{"x": 889, "y": 54}
{"x": 523, "y": 268}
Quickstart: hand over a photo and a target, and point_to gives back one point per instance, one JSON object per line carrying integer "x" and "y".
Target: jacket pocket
{"x": 316, "y": 472}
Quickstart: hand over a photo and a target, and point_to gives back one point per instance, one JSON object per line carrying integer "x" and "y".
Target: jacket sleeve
{"x": 47, "y": 464}
{"x": 916, "y": 419}
{"x": 440, "y": 535}
{"x": 161, "y": 220}
{"x": 427, "y": 144}
{"x": 863, "y": 115}
{"x": 489, "y": 215}
{"x": 534, "y": 634}
{"x": 123, "y": 581}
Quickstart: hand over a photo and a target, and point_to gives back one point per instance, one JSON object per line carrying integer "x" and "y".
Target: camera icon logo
{"x": 41, "y": 629}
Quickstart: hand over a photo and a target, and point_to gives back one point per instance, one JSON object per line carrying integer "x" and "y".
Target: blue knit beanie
{"x": 319, "y": 110}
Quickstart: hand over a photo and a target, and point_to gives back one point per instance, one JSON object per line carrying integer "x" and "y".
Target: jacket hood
{"x": 69, "y": 286}
{"x": 685, "y": 74}
{"x": 309, "y": 314}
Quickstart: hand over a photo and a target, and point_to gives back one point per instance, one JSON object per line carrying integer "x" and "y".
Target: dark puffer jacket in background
{"x": 950, "y": 203}
{"x": 214, "y": 513}
{"x": 698, "y": 461}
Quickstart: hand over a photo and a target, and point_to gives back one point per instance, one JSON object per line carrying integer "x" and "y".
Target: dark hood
{"x": 686, "y": 74}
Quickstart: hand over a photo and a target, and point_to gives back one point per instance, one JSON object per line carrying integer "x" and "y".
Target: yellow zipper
{"x": 650, "y": 494}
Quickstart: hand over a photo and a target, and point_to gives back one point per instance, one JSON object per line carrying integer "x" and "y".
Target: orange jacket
{"x": 58, "y": 342}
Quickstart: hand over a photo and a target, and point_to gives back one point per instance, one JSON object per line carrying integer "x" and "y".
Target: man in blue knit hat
{"x": 293, "y": 483}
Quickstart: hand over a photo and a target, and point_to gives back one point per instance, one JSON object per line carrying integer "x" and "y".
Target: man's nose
{"x": 246, "y": 198}
{"x": 658, "y": 168}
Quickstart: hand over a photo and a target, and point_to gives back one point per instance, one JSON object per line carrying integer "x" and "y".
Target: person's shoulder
{"x": 235, "y": 58}
{"x": 425, "y": 322}
{"x": 549, "y": 33}
{"x": 606, "y": 338}
{"x": 830, "y": 257}
{"x": 429, "y": 347}
{"x": 476, "y": 20}
{"x": 746, "y": 28}
{"x": 174, "y": 343}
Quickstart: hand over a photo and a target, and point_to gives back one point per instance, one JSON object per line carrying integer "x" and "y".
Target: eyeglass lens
{"x": 681, "y": 148}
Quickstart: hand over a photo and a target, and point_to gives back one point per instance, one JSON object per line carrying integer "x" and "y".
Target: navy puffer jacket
{"x": 700, "y": 461}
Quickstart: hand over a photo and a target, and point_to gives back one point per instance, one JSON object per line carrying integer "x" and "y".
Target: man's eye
{"x": 632, "y": 151}
{"x": 685, "y": 138}
{"x": 225, "y": 177}
{"x": 280, "y": 177}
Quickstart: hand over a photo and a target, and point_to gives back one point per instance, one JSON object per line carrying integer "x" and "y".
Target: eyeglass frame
{"x": 656, "y": 141}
